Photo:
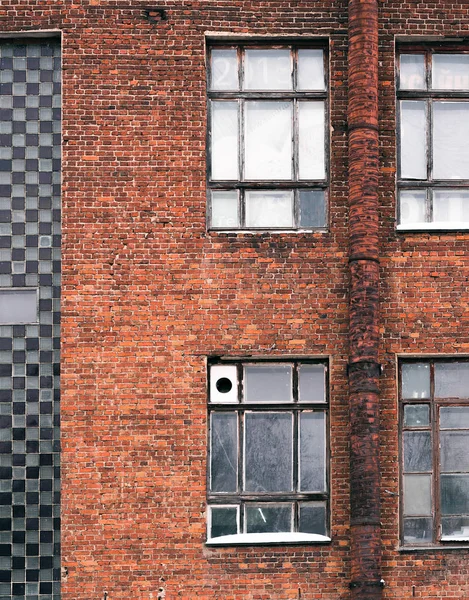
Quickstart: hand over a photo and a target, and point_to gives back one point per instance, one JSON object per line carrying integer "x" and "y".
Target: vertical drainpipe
{"x": 363, "y": 367}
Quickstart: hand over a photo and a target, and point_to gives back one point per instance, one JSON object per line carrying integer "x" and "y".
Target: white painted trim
{"x": 269, "y": 538}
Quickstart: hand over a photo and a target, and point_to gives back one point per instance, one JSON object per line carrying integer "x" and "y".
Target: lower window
{"x": 267, "y": 479}
{"x": 435, "y": 451}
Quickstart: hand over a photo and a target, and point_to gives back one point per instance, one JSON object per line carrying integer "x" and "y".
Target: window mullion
{"x": 429, "y": 149}
{"x": 241, "y": 466}
{"x": 436, "y": 458}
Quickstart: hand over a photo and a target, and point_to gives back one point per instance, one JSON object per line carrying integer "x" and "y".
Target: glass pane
{"x": 450, "y": 135}
{"x": 454, "y": 417}
{"x": 454, "y": 447}
{"x": 312, "y": 208}
{"x": 312, "y": 383}
{"x": 450, "y": 72}
{"x": 413, "y": 158}
{"x": 452, "y": 380}
{"x": 455, "y": 526}
{"x": 224, "y": 452}
{"x": 224, "y": 70}
{"x": 225, "y": 210}
{"x": 416, "y": 380}
{"x": 268, "y": 70}
{"x": 416, "y": 415}
{"x": 268, "y": 452}
{"x": 312, "y": 518}
{"x": 417, "y": 495}
{"x": 311, "y": 152}
{"x": 312, "y": 452}
{"x": 269, "y": 209}
{"x": 311, "y": 70}
{"x": 224, "y": 521}
{"x": 18, "y": 306}
{"x": 268, "y": 140}
{"x": 412, "y": 72}
{"x": 268, "y": 383}
{"x": 412, "y": 205}
{"x": 224, "y": 140}
{"x": 451, "y": 206}
{"x": 417, "y": 451}
{"x": 266, "y": 518}
{"x": 454, "y": 494}
{"x": 418, "y": 531}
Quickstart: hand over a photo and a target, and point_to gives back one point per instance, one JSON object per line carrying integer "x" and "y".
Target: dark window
{"x": 267, "y": 137}
{"x": 435, "y": 451}
{"x": 433, "y": 117}
{"x": 268, "y": 451}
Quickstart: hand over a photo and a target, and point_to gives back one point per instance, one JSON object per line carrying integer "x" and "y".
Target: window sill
{"x": 443, "y": 226}
{"x": 251, "y": 539}
{"x": 437, "y": 548}
{"x": 273, "y": 231}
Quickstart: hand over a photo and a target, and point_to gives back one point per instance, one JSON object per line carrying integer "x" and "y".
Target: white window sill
{"x": 443, "y": 225}
{"x": 455, "y": 538}
{"x": 258, "y": 231}
{"x": 268, "y": 538}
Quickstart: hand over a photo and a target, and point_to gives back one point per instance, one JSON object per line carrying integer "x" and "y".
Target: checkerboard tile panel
{"x": 30, "y": 130}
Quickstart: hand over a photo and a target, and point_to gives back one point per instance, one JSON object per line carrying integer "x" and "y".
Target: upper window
{"x": 434, "y": 413}
{"x": 267, "y": 479}
{"x": 267, "y": 137}
{"x": 433, "y": 105}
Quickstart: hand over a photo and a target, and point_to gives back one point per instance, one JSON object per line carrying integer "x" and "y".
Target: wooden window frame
{"x": 295, "y": 407}
{"x": 434, "y": 404}
{"x": 295, "y": 184}
{"x": 428, "y": 96}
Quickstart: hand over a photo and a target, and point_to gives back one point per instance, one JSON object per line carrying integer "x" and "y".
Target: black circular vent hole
{"x": 224, "y": 385}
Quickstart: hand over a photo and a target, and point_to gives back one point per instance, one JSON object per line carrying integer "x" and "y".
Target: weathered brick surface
{"x": 149, "y": 294}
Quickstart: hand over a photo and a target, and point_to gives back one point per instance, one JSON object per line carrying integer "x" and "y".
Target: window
{"x": 267, "y": 137}
{"x": 435, "y": 451}
{"x": 267, "y": 479}
{"x": 18, "y": 305}
{"x": 433, "y": 105}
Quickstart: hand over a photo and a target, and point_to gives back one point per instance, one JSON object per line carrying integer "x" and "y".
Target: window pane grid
{"x": 281, "y": 99}
{"x": 269, "y": 432}
{"x": 434, "y": 452}
{"x": 300, "y": 209}
{"x": 439, "y": 80}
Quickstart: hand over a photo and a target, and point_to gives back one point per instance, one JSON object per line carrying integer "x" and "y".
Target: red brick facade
{"x": 149, "y": 294}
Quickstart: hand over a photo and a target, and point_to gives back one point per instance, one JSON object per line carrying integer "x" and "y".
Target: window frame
{"x": 242, "y": 499}
{"x": 438, "y": 539}
{"x": 295, "y": 184}
{"x": 429, "y": 96}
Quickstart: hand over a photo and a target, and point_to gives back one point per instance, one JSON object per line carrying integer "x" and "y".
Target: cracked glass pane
{"x": 224, "y": 452}
{"x": 268, "y": 452}
{"x": 417, "y": 451}
{"x": 268, "y": 518}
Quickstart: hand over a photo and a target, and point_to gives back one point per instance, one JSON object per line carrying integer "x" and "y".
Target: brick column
{"x": 363, "y": 368}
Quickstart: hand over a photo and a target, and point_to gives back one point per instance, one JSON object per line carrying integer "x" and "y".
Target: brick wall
{"x": 149, "y": 294}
